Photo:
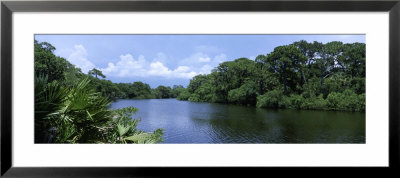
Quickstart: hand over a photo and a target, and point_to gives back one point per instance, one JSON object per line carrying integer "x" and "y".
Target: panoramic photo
{"x": 193, "y": 88}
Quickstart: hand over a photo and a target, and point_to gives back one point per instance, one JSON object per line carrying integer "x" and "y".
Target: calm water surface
{"x": 192, "y": 122}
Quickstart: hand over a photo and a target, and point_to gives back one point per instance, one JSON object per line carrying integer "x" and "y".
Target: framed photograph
{"x": 137, "y": 88}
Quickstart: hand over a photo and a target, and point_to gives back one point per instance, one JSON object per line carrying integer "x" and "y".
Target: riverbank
{"x": 346, "y": 101}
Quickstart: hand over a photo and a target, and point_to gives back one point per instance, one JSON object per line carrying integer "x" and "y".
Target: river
{"x": 192, "y": 122}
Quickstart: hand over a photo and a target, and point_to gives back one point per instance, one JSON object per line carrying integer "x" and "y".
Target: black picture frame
{"x": 8, "y": 7}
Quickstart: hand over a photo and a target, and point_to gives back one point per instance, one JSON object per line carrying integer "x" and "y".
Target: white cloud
{"x": 184, "y": 72}
{"x": 197, "y": 62}
{"x": 128, "y": 66}
{"x": 204, "y": 59}
{"x": 158, "y": 68}
{"x": 78, "y": 57}
{"x": 195, "y": 59}
{"x": 182, "y": 69}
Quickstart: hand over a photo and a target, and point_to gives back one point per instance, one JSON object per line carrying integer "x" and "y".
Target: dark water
{"x": 191, "y": 122}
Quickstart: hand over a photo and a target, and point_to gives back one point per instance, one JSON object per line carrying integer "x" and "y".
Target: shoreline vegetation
{"x": 302, "y": 76}
{"x": 72, "y": 107}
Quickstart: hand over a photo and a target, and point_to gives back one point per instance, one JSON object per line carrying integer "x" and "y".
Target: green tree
{"x": 205, "y": 93}
{"x": 246, "y": 94}
{"x": 184, "y": 95}
{"x": 72, "y": 74}
{"x": 329, "y": 62}
{"x": 95, "y": 72}
{"x": 285, "y": 62}
{"x": 48, "y": 64}
{"x": 271, "y": 99}
{"x": 231, "y": 75}
{"x": 353, "y": 59}
{"x": 177, "y": 90}
{"x": 140, "y": 90}
{"x": 311, "y": 52}
{"x": 266, "y": 80}
{"x": 197, "y": 81}
{"x": 163, "y": 92}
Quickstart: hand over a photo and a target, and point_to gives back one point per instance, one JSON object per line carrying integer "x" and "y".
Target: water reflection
{"x": 189, "y": 122}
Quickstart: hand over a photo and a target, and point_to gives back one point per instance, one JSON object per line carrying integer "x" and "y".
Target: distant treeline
{"x": 59, "y": 69}
{"x": 301, "y": 75}
{"x": 135, "y": 90}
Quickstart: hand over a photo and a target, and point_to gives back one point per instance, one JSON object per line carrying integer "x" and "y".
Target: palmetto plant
{"x": 49, "y": 98}
{"x": 125, "y": 130}
{"x": 81, "y": 115}
{"x": 86, "y": 110}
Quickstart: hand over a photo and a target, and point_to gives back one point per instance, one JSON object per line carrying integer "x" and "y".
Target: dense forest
{"x": 72, "y": 107}
{"x": 301, "y": 75}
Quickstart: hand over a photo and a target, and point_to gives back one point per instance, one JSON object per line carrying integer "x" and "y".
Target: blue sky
{"x": 168, "y": 59}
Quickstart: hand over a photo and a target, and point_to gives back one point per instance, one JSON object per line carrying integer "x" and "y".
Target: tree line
{"x": 72, "y": 107}
{"x": 135, "y": 90}
{"x": 300, "y": 75}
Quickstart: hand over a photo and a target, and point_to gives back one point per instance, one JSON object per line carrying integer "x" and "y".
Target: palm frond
{"x": 139, "y": 138}
{"x": 122, "y": 130}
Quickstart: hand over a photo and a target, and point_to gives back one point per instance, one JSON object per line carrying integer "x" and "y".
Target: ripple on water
{"x": 188, "y": 122}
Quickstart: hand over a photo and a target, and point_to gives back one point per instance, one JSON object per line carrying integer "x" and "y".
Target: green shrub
{"x": 194, "y": 97}
{"x": 361, "y": 102}
{"x": 333, "y": 100}
{"x": 346, "y": 101}
{"x": 311, "y": 88}
{"x": 246, "y": 94}
{"x": 184, "y": 95}
{"x": 271, "y": 99}
{"x": 314, "y": 103}
{"x": 295, "y": 101}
